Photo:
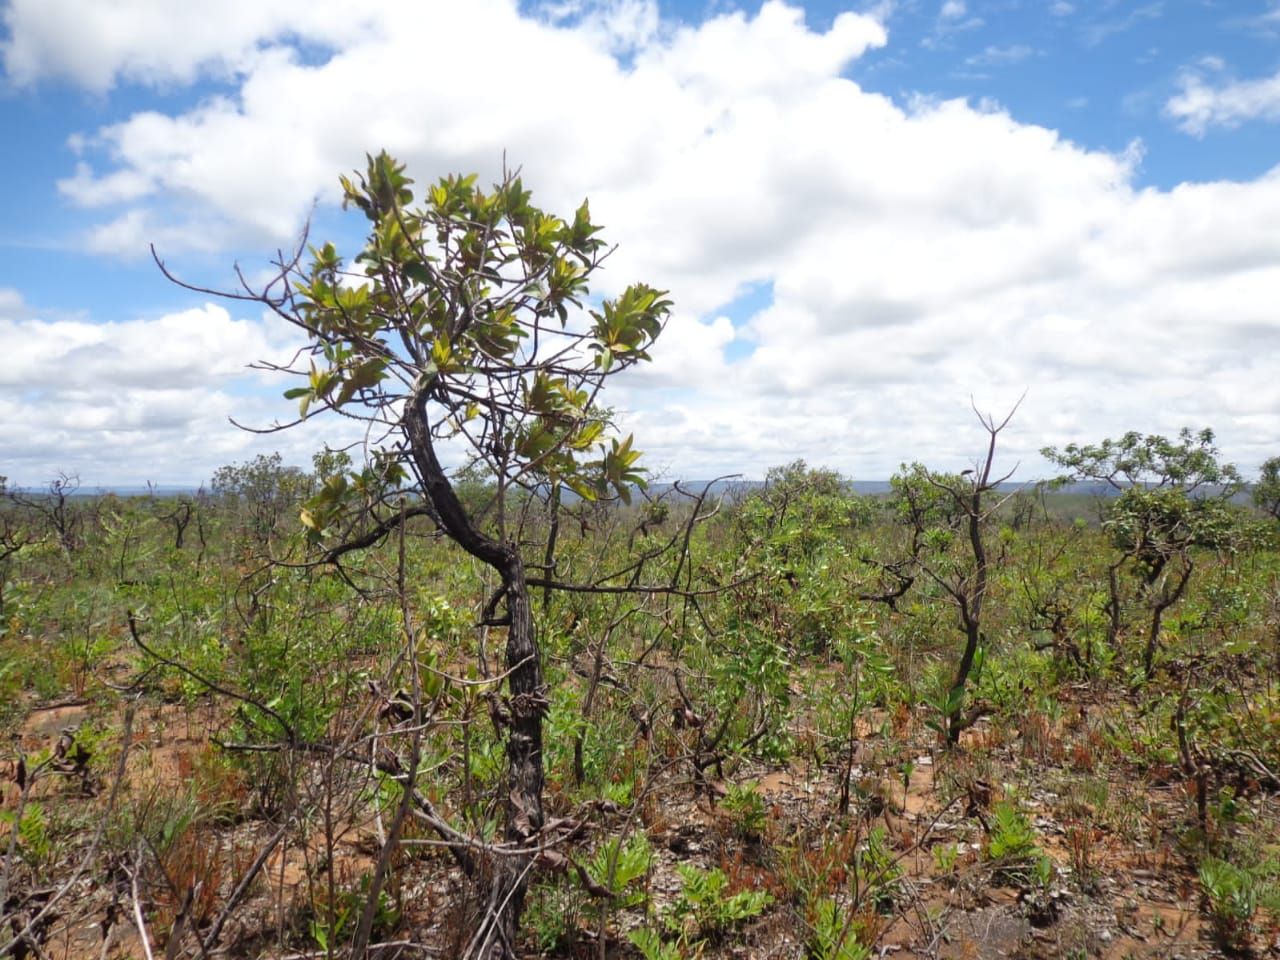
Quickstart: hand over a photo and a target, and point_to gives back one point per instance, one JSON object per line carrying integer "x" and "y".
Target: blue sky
{"x": 881, "y": 210}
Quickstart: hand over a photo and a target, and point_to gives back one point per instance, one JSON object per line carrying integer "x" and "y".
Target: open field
{"x": 751, "y": 755}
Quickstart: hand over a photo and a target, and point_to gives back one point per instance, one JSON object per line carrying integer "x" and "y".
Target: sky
{"x": 873, "y": 217}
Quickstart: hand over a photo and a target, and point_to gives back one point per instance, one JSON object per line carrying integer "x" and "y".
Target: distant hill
{"x": 736, "y": 487}
{"x": 873, "y": 488}
{"x": 163, "y": 490}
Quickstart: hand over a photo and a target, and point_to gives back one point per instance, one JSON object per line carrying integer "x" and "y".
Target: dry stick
{"x": 126, "y": 742}
{"x": 137, "y": 907}
{"x": 385, "y": 945}
{"x": 60, "y": 704}
{"x": 363, "y": 931}
{"x": 174, "y": 941}
{"x": 284, "y": 725}
{"x": 107, "y": 937}
{"x": 490, "y": 927}
{"x": 216, "y": 688}
{"x": 211, "y": 940}
{"x": 184, "y": 901}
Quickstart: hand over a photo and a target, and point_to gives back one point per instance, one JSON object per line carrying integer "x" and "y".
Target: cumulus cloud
{"x": 1201, "y": 104}
{"x": 623, "y": 25}
{"x": 138, "y": 400}
{"x": 918, "y": 254}
{"x": 96, "y": 45}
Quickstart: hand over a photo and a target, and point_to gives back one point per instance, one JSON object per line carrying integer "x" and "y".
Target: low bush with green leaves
{"x": 832, "y": 935}
{"x": 621, "y": 869}
{"x": 745, "y": 808}
{"x": 1231, "y": 896}
{"x": 706, "y": 908}
{"x": 1013, "y": 849}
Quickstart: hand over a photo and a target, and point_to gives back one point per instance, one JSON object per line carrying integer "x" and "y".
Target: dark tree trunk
{"x": 1159, "y": 605}
{"x": 1114, "y": 605}
{"x": 527, "y": 703}
{"x": 955, "y": 720}
{"x": 970, "y": 612}
{"x": 181, "y": 516}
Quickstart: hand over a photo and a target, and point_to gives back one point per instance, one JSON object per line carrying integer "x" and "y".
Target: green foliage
{"x": 334, "y": 923}
{"x": 832, "y": 936}
{"x": 706, "y": 908}
{"x": 1231, "y": 894}
{"x": 621, "y": 867}
{"x": 877, "y": 873}
{"x": 263, "y": 489}
{"x": 746, "y": 810}
{"x": 1266, "y": 492}
{"x": 1012, "y": 847}
{"x": 553, "y": 914}
{"x": 1011, "y": 839}
{"x": 944, "y": 701}
{"x": 651, "y": 946}
{"x": 1173, "y": 495}
{"x": 473, "y": 284}
{"x": 946, "y": 856}
{"x": 786, "y": 656}
{"x": 35, "y": 845}
{"x": 920, "y": 501}
{"x": 1173, "y": 500}
{"x": 801, "y": 512}
{"x": 1152, "y": 525}
{"x": 1188, "y": 464}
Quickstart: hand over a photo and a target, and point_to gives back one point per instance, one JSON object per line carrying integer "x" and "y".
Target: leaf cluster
{"x": 475, "y": 305}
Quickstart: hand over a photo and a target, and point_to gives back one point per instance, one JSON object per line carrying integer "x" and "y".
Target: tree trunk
{"x": 527, "y": 703}
{"x": 955, "y": 720}
{"x": 970, "y": 610}
{"x": 1159, "y": 605}
{"x": 1113, "y": 604}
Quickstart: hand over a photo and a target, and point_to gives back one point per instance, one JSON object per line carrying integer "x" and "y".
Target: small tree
{"x": 13, "y": 539}
{"x": 1173, "y": 496}
{"x": 948, "y": 515}
{"x": 1266, "y": 492}
{"x": 264, "y": 490}
{"x": 55, "y": 508}
{"x": 462, "y": 334}
{"x": 180, "y": 512}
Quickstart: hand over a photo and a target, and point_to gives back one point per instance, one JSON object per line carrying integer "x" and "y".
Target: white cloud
{"x": 98, "y": 44}
{"x": 952, "y": 10}
{"x": 917, "y": 255}
{"x": 623, "y": 25}
{"x": 138, "y": 400}
{"x": 992, "y": 56}
{"x": 1097, "y": 31}
{"x": 1201, "y": 105}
